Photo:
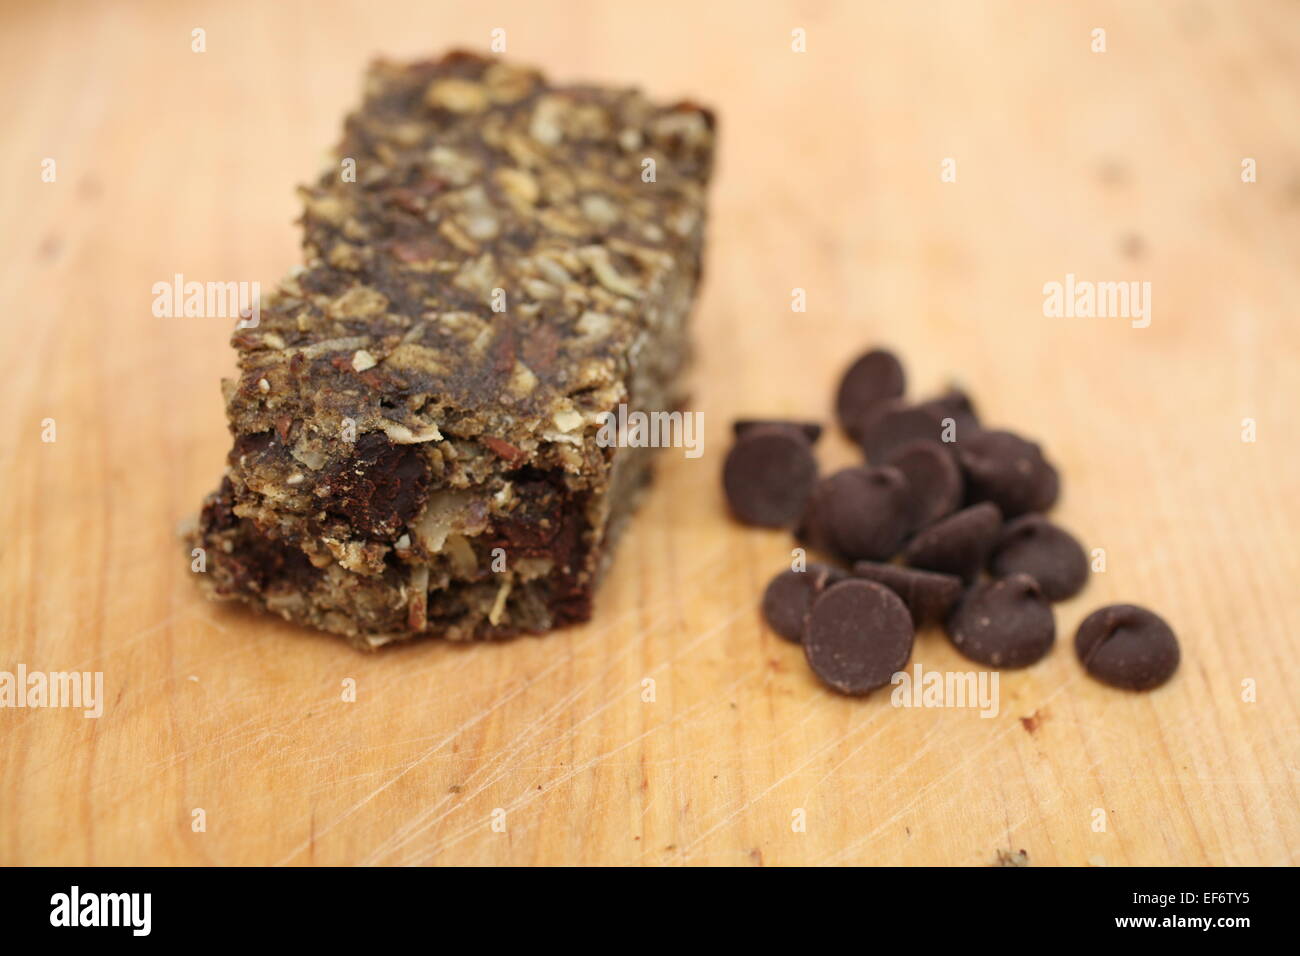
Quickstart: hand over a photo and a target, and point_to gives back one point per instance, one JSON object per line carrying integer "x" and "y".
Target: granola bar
{"x": 493, "y": 265}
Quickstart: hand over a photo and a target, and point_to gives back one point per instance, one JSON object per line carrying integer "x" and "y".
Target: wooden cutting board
{"x": 1111, "y": 166}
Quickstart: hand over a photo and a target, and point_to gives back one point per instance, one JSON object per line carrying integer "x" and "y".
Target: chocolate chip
{"x": 958, "y": 544}
{"x": 926, "y": 459}
{"x": 811, "y": 528}
{"x": 1127, "y": 646}
{"x": 934, "y": 482}
{"x": 1049, "y": 490}
{"x": 890, "y": 426}
{"x": 810, "y": 430}
{"x": 873, "y": 378}
{"x": 929, "y": 596}
{"x": 768, "y": 476}
{"x": 862, "y": 513}
{"x": 957, "y": 405}
{"x": 1009, "y": 471}
{"x": 1048, "y": 553}
{"x": 790, "y": 595}
{"x": 858, "y": 635}
{"x": 1004, "y": 623}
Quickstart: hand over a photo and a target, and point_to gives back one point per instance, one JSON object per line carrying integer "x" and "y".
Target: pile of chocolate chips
{"x": 960, "y": 506}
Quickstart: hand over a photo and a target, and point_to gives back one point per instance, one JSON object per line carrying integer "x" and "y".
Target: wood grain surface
{"x": 1122, "y": 165}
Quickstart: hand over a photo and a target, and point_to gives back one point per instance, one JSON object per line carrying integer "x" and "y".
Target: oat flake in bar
{"x": 409, "y": 460}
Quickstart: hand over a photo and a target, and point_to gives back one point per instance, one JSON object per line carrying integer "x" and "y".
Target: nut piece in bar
{"x": 489, "y": 272}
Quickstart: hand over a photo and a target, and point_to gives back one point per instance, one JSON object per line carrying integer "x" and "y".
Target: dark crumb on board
{"x": 1112, "y": 172}
{"x": 1033, "y": 721}
{"x": 49, "y": 249}
{"x": 1132, "y": 245}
